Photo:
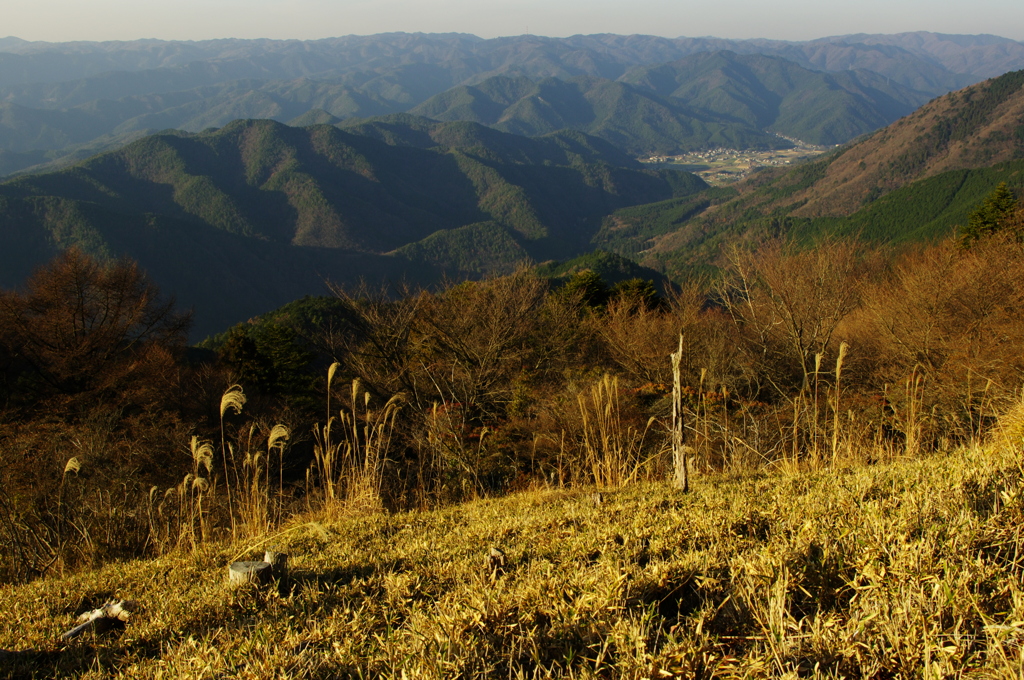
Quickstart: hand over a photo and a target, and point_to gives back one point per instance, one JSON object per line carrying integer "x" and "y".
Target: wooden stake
{"x": 278, "y": 562}
{"x": 679, "y": 462}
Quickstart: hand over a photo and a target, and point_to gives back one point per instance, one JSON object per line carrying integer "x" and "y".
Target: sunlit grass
{"x": 907, "y": 569}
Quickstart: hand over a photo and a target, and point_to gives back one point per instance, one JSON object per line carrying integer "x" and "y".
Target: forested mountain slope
{"x": 916, "y": 179}
{"x": 321, "y": 202}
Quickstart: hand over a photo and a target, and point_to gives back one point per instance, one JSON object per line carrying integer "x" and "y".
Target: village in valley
{"x": 720, "y": 166}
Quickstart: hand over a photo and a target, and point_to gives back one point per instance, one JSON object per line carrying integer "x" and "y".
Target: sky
{"x": 63, "y": 20}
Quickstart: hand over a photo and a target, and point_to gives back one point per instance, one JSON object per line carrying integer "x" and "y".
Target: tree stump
{"x": 260, "y": 573}
{"x": 278, "y": 562}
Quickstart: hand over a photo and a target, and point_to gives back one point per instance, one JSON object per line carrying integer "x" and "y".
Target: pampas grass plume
{"x": 233, "y": 398}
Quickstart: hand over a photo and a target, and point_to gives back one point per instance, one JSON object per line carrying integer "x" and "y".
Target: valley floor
{"x": 719, "y": 167}
{"x": 901, "y": 568}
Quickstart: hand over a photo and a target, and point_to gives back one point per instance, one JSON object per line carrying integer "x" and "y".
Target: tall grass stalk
{"x": 612, "y": 450}
{"x": 843, "y": 349}
{"x": 191, "y": 493}
{"x": 72, "y": 466}
{"x": 324, "y": 449}
{"x": 353, "y": 469}
{"x": 233, "y": 399}
{"x": 278, "y": 439}
{"x": 369, "y": 439}
{"x": 258, "y": 508}
{"x": 913, "y": 389}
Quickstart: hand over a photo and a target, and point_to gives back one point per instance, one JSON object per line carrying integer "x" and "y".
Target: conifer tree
{"x": 993, "y": 215}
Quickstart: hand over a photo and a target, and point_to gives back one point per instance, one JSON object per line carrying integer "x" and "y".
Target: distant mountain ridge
{"x": 56, "y": 95}
{"x": 711, "y": 99}
{"x": 920, "y": 60}
{"x": 634, "y": 120}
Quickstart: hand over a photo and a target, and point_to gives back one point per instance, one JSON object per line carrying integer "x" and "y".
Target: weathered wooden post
{"x": 682, "y": 480}
{"x": 113, "y": 612}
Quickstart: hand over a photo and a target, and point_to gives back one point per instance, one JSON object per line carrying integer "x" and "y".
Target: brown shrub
{"x": 948, "y": 320}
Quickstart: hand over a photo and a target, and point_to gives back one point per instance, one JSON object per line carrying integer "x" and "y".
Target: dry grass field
{"x": 899, "y": 568}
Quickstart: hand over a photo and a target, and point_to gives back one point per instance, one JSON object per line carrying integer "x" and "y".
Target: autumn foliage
{"x": 793, "y": 356}
{"x": 84, "y": 333}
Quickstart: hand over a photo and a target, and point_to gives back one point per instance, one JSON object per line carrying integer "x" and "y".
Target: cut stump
{"x": 259, "y": 572}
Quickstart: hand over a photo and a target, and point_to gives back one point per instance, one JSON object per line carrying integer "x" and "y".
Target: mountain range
{"x": 248, "y": 217}
{"x": 719, "y": 99}
{"x": 60, "y": 102}
{"x": 241, "y": 217}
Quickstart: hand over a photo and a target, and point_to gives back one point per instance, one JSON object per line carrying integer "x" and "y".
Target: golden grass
{"x": 908, "y": 569}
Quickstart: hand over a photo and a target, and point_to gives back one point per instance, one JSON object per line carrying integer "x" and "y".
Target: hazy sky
{"x": 59, "y": 20}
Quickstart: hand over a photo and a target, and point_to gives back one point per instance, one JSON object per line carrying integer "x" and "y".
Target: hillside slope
{"x": 913, "y": 180}
{"x": 861, "y": 571}
{"x": 977, "y": 127}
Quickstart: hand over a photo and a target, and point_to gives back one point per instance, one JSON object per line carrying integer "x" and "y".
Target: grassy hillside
{"x": 894, "y": 569}
{"x": 854, "y": 509}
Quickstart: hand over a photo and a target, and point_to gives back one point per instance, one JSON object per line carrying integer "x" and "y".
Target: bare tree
{"x": 790, "y": 302}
